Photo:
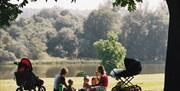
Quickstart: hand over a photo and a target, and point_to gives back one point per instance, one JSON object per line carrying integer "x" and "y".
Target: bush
{"x": 110, "y": 50}
{"x": 81, "y": 74}
{"x": 7, "y": 56}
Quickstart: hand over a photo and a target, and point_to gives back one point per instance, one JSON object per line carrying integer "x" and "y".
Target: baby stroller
{"x": 25, "y": 78}
{"x": 133, "y": 67}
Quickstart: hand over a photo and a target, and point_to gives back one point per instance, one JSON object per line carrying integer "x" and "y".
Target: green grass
{"x": 148, "y": 82}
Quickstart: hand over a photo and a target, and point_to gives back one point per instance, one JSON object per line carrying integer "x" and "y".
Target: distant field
{"x": 148, "y": 82}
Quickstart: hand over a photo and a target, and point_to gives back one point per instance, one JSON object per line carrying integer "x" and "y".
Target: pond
{"x": 50, "y": 70}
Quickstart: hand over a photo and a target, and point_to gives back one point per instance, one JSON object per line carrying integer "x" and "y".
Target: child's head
{"x": 86, "y": 78}
{"x": 93, "y": 81}
{"x": 70, "y": 82}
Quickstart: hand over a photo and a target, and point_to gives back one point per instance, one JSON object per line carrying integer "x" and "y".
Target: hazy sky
{"x": 80, "y": 4}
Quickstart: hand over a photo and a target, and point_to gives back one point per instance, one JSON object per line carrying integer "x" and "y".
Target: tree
{"x": 9, "y": 11}
{"x": 172, "y": 77}
{"x": 64, "y": 44}
{"x": 110, "y": 50}
{"x": 144, "y": 35}
{"x": 97, "y": 25}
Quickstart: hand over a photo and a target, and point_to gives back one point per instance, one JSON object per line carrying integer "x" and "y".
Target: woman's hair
{"x": 63, "y": 71}
{"x": 101, "y": 69}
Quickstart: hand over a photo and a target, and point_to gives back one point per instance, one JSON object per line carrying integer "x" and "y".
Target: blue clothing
{"x": 59, "y": 79}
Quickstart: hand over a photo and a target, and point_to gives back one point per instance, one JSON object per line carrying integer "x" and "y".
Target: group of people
{"x": 98, "y": 83}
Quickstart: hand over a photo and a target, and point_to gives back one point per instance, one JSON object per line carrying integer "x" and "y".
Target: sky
{"x": 80, "y": 4}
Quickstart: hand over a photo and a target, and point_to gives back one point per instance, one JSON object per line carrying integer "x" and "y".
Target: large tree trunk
{"x": 172, "y": 70}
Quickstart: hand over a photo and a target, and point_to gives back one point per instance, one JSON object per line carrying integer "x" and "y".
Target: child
{"x": 93, "y": 81}
{"x": 69, "y": 87}
{"x": 86, "y": 82}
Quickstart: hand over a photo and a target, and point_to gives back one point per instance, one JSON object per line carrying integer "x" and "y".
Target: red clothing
{"x": 86, "y": 85}
{"x": 103, "y": 80}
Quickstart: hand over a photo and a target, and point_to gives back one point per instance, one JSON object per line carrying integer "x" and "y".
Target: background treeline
{"x": 62, "y": 33}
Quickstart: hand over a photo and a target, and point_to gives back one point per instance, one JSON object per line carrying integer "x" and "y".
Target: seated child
{"x": 70, "y": 87}
{"x": 86, "y": 84}
{"x": 93, "y": 81}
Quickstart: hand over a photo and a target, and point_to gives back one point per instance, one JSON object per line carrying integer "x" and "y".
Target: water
{"x": 50, "y": 70}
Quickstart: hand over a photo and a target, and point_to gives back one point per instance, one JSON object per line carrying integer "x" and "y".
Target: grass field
{"x": 148, "y": 82}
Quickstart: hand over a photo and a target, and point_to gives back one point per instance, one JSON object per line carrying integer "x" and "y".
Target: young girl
{"x": 93, "y": 81}
{"x": 86, "y": 84}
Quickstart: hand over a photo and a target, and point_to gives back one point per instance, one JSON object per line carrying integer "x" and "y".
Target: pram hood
{"x": 25, "y": 64}
{"x": 133, "y": 67}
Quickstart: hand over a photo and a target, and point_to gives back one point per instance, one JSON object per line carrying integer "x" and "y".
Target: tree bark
{"x": 172, "y": 73}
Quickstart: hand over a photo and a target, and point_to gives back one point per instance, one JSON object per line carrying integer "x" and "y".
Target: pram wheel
{"x": 19, "y": 89}
{"x": 114, "y": 89}
{"x": 41, "y": 88}
{"x": 117, "y": 88}
{"x": 137, "y": 88}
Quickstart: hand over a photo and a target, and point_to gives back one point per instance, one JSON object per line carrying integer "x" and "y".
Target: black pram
{"x": 133, "y": 67}
{"x": 25, "y": 78}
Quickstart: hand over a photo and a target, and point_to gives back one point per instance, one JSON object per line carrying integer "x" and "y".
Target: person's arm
{"x": 97, "y": 76}
{"x": 64, "y": 82}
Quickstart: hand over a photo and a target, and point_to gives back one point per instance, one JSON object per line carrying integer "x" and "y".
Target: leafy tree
{"x": 173, "y": 49}
{"x": 19, "y": 49}
{"x": 110, "y": 50}
{"x": 144, "y": 35}
{"x": 97, "y": 25}
{"x": 65, "y": 43}
{"x": 6, "y": 56}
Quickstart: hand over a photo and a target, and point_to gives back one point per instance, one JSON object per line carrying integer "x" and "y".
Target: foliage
{"x": 64, "y": 44}
{"x": 98, "y": 23}
{"x": 111, "y": 50}
{"x": 131, "y": 4}
{"x": 7, "y": 56}
{"x": 81, "y": 74}
{"x": 144, "y": 34}
{"x": 9, "y": 12}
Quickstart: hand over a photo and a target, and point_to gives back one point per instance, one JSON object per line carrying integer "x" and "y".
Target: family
{"x": 98, "y": 83}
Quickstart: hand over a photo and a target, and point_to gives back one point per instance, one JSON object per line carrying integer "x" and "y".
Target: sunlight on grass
{"x": 148, "y": 82}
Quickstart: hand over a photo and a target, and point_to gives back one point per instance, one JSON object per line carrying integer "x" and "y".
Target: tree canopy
{"x": 110, "y": 50}
{"x": 9, "y": 11}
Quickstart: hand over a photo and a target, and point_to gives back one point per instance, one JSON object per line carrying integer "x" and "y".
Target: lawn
{"x": 148, "y": 82}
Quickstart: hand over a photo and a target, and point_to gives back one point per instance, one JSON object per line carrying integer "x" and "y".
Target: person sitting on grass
{"x": 70, "y": 87}
{"x": 60, "y": 79}
{"x": 93, "y": 81}
{"x": 102, "y": 79}
{"x": 86, "y": 84}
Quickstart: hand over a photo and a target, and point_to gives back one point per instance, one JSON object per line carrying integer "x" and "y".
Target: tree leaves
{"x": 110, "y": 50}
{"x": 8, "y": 13}
{"x": 131, "y": 4}
{"x": 21, "y": 5}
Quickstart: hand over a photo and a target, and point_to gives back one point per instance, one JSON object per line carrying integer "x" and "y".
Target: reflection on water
{"x": 49, "y": 70}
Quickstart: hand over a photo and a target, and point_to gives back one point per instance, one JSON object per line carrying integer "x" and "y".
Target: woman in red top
{"x": 102, "y": 79}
